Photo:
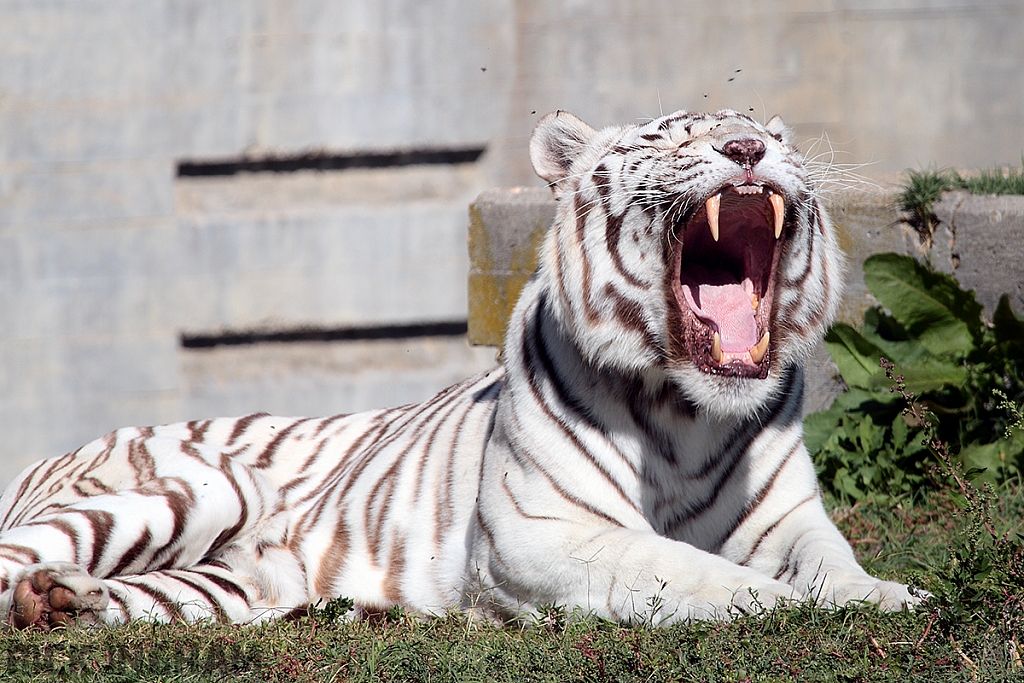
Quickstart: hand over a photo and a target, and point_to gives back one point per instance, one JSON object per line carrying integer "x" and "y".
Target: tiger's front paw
{"x": 54, "y": 594}
{"x": 888, "y": 595}
{"x": 723, "y": 603}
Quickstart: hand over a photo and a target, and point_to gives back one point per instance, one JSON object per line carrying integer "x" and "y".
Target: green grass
{"x": 802, "y": 643}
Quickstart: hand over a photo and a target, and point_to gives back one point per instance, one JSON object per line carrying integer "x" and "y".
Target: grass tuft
{"x": 923, "y": 189}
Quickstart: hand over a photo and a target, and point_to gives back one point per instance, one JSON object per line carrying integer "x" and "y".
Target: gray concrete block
{"x": 344, "y": 267}
{"x": 511, "y": 217}
{"x": 506, "y": 229}
{"x": 986, "y": 237}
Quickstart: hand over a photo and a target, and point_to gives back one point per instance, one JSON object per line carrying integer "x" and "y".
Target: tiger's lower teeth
{"x": 754, "y": 355}
{"x": 758, "y": 350}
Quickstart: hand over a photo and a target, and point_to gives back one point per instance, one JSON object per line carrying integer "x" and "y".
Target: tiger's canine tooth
{"x": 716, "y": 348}
{"x": 711, "y": 206}
{"x": 758, "y": 350}
{"x": 779, "y": 208}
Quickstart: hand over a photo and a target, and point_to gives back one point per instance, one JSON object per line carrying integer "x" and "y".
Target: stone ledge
{"x": 980, "y": 240}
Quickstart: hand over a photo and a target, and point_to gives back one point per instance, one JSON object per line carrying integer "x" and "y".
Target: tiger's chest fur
{"x": 638, "y": 455}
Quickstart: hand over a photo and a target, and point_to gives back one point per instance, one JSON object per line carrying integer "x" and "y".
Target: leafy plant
{"x": 953, "y": 361}
{"x": 980, "y": 586}
{"x": 330, "y": 611}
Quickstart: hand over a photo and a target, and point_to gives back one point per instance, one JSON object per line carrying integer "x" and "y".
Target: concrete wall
{"x": 106, "y": 257}
{"x": 892, "y": 83}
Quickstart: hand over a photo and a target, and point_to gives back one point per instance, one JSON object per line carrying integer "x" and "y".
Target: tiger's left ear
{"x": 557, "y": 140}
{"x": 779, "y": 130}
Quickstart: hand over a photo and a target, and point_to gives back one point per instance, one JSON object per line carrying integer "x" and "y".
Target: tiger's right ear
{"x": 557, "y": 140}
{"x": 779, "y": 130}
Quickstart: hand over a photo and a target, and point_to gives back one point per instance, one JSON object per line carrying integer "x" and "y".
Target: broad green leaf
{"x": 818, "y": 427}
{"x": 856, "y": 357}
{"x": 870, "y": 439}
{"x": 929, "y": 373}
{"x": 848, "y": 485}
{"x": 900, "y": 430}
{"x": 999, "y": 458}
{"x": 989, "y": 457}
{"x": 858, "y": 361}
{"x": 930, "y": 305}
{"x": 879, "y": 324}
{"x": 899, "y": 352}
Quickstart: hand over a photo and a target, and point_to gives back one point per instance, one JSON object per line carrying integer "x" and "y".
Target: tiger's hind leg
{"x": 185, "y": 543}
{"x": 54, "y": 594}
{"x": 62, "y": 594}
{"x": 243, "y": 585}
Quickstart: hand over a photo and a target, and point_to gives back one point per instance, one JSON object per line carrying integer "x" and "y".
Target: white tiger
{"x": 639, "y": 455}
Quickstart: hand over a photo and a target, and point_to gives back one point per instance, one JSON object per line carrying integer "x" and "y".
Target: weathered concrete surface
{"x": 984, "y": 245}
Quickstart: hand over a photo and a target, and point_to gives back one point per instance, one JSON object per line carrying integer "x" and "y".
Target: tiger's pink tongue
{"x": 728, "y": 310}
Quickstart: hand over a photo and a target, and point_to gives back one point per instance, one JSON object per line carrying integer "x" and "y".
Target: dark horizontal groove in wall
{"x": 320, "y": 161}
{"x": 320, "y": 334}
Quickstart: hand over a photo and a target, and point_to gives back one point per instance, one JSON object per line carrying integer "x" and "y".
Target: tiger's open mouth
{"x": 724, "y": 279}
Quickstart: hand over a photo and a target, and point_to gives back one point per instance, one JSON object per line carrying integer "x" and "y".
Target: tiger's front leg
{"x": 621, "y": 574}
{"x": 534, "y": 543}
{"x": 805, "y": 549}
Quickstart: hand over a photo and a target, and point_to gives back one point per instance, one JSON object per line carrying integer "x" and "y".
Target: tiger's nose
{"x": 745, "y": 152}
